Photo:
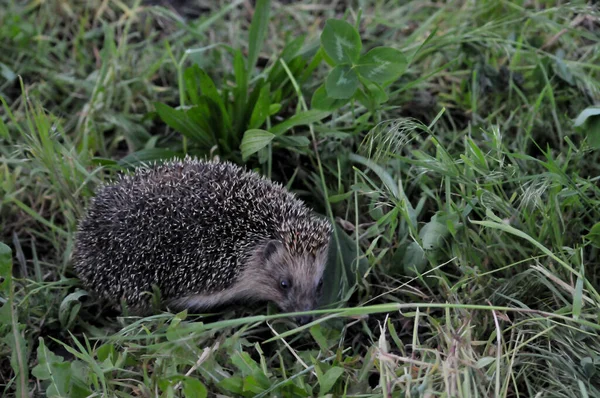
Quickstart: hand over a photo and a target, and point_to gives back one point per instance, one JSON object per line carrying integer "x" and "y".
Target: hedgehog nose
{"x": 304, "y": 319}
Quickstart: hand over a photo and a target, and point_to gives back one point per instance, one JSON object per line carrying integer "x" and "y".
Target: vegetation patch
{"x": 454, "y": 145}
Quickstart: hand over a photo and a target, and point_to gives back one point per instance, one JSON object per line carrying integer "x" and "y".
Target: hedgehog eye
{"x": 284, "y": 284}
{"x": 320, "y": 284}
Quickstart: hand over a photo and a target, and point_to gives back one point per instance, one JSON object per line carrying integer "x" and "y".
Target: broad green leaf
{"x": 298, "y": 141}
{"x": 370, "y": 95}
{"x": 253, "y": 385}
{"x": 341, "y": 41}
{"x": 208, "y": 117}
{"x": 320, "y": 100}
{"x": 263, "y": 155}
{"x": 414, "y": 259}
{"x": 254, "y": 140}
{"x": 258, "y": 31}
{"x": 106, "y": 351}
{"x": 245, "y": 364}
{"x": 341, "y": 82}
{"x": 193, "y": 388}
{"x": 240, "y": 93}
{"x": 69, "y": 308}
{"x": 253, "y": 98}
{"x": 53, "y": 368}
{"x": 378, "y": 94}
{"x": 254, "y": 379}
{"x": 341, "y": 273}
{"x": 588, "y": 366}
{"x": 590, "y": 119}
{"x": 433, "y": 234}
{"x": 206, "y": 86}
{"x": 79, "y": 389}
{"x": 317, "y": 334}
{"x": 327, "y": 381}
{"x": 594, "y": 235}
{"x": 262, "y": 108}
{"x": 339, "y": 197}
{"x": 382, "y": 64}
{"x": 299, "y": 119}
{"x": 179, "y": 121}
{"x": 274, "y": 108}
{"x": 234, "y": 384}
{"x": 192, "y": 83}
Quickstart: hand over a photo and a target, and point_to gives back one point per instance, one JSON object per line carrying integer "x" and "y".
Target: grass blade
{"x": 258, "y": 32}
{"x": 299, "y": 119}
{"x": 9, "y": 315}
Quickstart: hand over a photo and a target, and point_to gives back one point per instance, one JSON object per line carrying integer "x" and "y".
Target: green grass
{"x": 466, "y": 262}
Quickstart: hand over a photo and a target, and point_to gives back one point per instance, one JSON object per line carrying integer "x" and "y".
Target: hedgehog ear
{"x": 272, "y": 247}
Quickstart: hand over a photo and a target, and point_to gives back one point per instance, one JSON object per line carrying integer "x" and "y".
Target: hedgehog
{"x": 207, "y": 233}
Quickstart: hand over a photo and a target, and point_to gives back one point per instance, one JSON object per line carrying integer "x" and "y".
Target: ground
{"x": 460, "y": 167}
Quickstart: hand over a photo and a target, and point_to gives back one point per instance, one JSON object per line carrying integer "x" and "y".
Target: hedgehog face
{"x": 293, "y": 281}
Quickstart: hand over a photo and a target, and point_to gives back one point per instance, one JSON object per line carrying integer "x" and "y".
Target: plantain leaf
{"x": 258, "y": 32}
{"x": 179, "y": 121}
{"x": 299, "y": 119}
{"x": 298, "y": 141}
{"x": 202, "y": 83}
{"x": 240, "y": 92}
{"x": 262, "y": 108}
{"x": 254, "y": 140}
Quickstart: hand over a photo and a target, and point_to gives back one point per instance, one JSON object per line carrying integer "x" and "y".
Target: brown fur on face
{"x": 291, "y": 281}
{"x": 271, "y": 265}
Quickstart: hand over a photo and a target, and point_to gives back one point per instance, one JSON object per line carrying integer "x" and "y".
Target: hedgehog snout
{"x": 302, "y": 305}
{"x": 304, "y": 319}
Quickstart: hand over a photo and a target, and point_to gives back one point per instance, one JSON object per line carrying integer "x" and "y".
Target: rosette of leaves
{"x": 355, "y": 76}
{"x": 248, "y": 110}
